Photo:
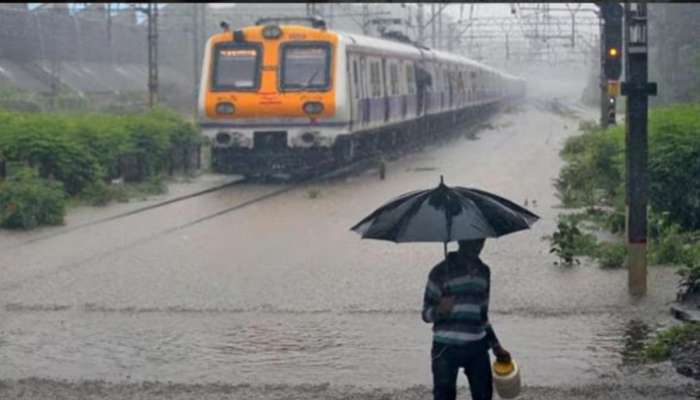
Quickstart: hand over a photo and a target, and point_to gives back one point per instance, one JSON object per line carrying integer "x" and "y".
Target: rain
{"x": 172, "y": 274}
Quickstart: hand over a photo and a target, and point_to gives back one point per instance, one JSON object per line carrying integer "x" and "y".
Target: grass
{"x": 313, "y": 193}
{"x": 659, "y": 348}
{"x": 101, "y": 194}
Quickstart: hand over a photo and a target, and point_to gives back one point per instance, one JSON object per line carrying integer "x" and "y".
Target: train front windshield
{"x": 236, "y": 68}
{"x": 305, "y": 66}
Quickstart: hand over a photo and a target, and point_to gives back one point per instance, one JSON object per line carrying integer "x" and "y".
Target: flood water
{"x": 282, "y": 292}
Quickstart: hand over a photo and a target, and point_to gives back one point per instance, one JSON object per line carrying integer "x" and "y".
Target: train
{"x": 284, "y": 97}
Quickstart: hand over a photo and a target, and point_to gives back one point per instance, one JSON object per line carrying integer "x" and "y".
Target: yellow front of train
{"x": 269, "y": 98}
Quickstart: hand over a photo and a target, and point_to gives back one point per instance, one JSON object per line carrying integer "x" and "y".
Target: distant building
{"x": 58, "y": 8}
{"x": 14, "y": 6}
{"x": 93, "y": 11}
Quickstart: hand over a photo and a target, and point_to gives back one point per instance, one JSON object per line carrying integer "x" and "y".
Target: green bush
{"x": 659, "y": 347}
{"x": 594, "y": 170}
{"x": 674, "y": 163}
{"x": 568, "y": 241}
{"x": 41, "y": 141}
{"x": 611, "y": 255}
{"x": 690, "y": 273}
{"x": 27, "y": 201}
{"x": 82, "y": 149}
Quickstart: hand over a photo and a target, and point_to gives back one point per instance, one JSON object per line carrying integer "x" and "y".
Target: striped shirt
{"x": 469, "y": 281}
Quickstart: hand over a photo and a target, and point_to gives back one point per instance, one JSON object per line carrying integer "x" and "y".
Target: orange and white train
{"x": 286, "y": 98}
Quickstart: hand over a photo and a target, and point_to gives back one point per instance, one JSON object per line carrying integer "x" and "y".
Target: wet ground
{"x": 280, "y": 300}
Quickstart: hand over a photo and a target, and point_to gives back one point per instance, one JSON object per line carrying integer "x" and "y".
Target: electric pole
{"x": 637, "y": 89}
{"x": 432, "y": 25}
{"x": 365, "y": 19}
{"x": 109, "y": 24}
{"x": 152, "y": 14}
{"x": 419, "y": 21}
{"x": 603, "y": 83}
{"x": 440, "y": 40}
{"x": 195, "y": 53}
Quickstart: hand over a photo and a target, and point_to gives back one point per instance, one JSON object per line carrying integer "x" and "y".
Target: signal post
{"x": 611, "y": 59}
{"x": 637, "y": 89}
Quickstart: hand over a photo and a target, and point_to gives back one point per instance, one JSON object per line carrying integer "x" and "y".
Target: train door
{"x": 401, "y": 72}
{"x": 363, "y": 91}
{"x": 355, "y": 101}
{"x": 423, "y": 80}
{"x": 385, "y": 91}
{"x": 450, "y": 87}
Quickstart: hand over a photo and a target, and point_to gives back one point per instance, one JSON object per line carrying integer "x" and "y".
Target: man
{"x": 456, "y": 301}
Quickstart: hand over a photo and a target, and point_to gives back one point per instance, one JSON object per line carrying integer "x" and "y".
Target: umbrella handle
{"x": 447, "y": 269}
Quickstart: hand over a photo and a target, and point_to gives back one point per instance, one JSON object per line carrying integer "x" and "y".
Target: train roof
{"x": 391, "y": 46}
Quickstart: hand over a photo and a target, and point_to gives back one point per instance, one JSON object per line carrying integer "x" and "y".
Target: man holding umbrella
{"x": 457, "y": 293}
{"x": 456, "y": 301}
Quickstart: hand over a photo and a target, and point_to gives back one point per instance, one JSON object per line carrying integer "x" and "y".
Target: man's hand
{"x": 501, "y": 354}
{"x": 445, "y": 306}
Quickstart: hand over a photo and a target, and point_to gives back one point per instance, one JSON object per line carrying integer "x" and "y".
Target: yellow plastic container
{"x": 506, "y": 379}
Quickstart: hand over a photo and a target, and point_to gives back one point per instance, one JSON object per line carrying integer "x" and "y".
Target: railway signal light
{"x": 612, "y": 35}
{"x": 613, "y": 88}
{"x": 611, "y": 110}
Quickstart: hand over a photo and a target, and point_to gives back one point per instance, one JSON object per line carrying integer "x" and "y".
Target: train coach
{"x": 285, "y": 99}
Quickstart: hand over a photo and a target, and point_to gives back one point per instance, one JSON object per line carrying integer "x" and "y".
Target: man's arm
{"x": 491, "y": 338}
{"x": 431, "y": 300}
{"x": 490, "y": 334}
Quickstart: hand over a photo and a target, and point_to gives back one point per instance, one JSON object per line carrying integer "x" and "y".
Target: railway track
{"x": 359, "y": 164}
{"x": 289, "y": 186}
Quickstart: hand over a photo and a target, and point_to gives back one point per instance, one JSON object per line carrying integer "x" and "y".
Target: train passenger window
{"x": 354, "y": 79}
{"x": 305, "y": 66}
{"x": 410, "y": 79}
{"x": 394, "y": 79}
{"x": 236, "y": 67}
{"x": 375, "y": 80}
{"x": 363, "y": 77}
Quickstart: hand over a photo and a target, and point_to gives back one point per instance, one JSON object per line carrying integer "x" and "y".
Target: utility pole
{"x": 365, "y": 18}
{"x": 507, "y": 48}
{"x": 432, "y": 25}
{"x": 419, "y": 21}
{"x": 152, "y": 14}
{"x": 195, "y": 53}
{"x": 637, "y": 89}
{"x": 109, "y": 24}
{"x": 440, "y": 40}
{"x": 603, "y": 83}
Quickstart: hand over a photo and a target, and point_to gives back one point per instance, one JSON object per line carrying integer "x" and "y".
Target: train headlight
{"x": 225, "y": 108}
{"x": 271, "y": 32}
{"x": 309, "y": 137}
{"x": 223, "y": 139}
{"x": 313, "y": 107}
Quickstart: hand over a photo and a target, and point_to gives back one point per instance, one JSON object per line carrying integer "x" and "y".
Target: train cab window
{"x": 305, "y": 66}
{"x": 236, "y": 67}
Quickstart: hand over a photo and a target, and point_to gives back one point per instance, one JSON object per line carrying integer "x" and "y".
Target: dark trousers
{"x": 474, "y": 358}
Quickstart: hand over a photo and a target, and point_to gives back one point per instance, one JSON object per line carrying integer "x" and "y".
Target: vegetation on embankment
{"x": 82, "y": 154}
{"x": 593, "y": 180}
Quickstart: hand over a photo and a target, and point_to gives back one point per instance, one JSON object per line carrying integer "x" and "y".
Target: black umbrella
{"x": 445, "y": 214}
